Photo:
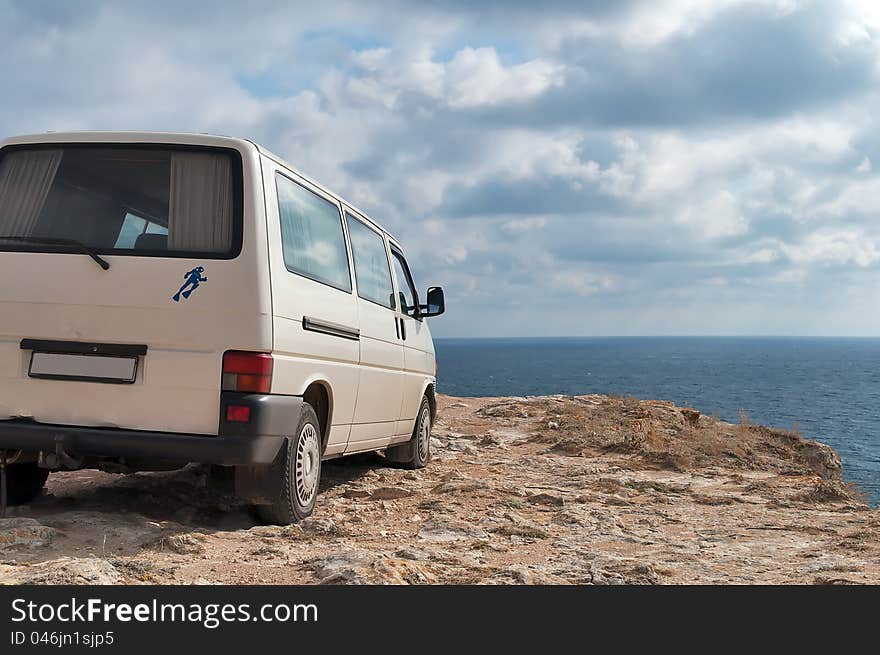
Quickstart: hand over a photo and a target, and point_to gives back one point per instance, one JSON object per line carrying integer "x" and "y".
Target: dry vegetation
{"x": 662, "y": 435}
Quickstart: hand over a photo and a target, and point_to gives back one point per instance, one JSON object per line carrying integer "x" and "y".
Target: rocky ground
{"x": 562, "y": 489}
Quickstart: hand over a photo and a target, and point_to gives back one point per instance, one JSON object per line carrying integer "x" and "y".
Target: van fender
{"x": 316, "y": 378}
{"x": 429, "y": 389}
{"x": 328, "y": 388}
{"x": 324, "y": 410}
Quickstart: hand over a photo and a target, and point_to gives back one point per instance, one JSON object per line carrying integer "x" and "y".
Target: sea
{"x": 828, "y": 388}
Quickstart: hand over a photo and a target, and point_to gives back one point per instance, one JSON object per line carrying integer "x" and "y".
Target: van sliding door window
{"x": 311, "y": 235}
{"x": 147, "y": 200}
{"x": 370, "y": 263}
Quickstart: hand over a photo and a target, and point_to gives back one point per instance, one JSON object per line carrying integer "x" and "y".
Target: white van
{"x": 175, "y": 298}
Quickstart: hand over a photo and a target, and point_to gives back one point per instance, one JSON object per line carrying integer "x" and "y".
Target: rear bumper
{"x": 255, "y": 442}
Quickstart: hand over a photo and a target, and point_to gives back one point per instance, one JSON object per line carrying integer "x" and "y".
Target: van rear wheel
{"x": 415, "y": 453}
{"x": 24, "y": 482}
{"x": 300, "y": 471}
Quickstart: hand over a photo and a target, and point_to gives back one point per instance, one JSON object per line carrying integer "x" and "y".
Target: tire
{"x": 24, "y": 482}
{"x": 299, "y": 468}
{"x": 415, "y": 453}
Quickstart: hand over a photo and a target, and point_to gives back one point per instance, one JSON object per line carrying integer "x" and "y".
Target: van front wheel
{"x": 300, "y": 471}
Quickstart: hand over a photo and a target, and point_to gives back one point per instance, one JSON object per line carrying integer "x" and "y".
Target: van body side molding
{"x": 83, "y": 348}
{"x": 332, "y": 329}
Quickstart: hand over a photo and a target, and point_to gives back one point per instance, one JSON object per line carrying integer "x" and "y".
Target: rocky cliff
{"x": 579, "y": 490}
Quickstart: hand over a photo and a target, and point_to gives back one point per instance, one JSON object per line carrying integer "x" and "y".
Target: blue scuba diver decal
{"x": 192, "y": 281}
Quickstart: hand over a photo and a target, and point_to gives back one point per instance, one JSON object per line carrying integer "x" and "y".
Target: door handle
{"x": 396, "y": 328}
{"x": 403, "y": 329}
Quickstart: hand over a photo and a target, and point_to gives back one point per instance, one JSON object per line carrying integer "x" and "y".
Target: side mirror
{"x": 436, "y": 304}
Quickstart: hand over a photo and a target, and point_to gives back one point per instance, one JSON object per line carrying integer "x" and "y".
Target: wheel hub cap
{"x": 308, "y": 455}
{"x": 424, "y": 440}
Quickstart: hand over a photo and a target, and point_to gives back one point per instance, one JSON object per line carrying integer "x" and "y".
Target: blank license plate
{"x": 94, "y": 368}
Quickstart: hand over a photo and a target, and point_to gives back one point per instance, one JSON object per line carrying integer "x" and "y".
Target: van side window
{"x": 371, "y": 269}
{"x": 409, "y": 299}
{"x": 311, "y": 235}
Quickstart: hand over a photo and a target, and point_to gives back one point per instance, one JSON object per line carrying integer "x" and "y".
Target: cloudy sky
{"x": 561, "y": 168}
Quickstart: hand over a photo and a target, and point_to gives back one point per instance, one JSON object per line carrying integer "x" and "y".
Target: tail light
{"x": 244, "y": 371}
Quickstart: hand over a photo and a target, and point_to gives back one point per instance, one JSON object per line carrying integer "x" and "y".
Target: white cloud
{"x": 834, "y": 249}
{"x": 656, "y": 22}
{"x": 472, "y": 78}
{"x": 582, "y": 283}
{"x": 762, "y": 256}
{"x": 717, "y": 216}
{"x": 521, "y": 225}
{"x": 476, "y": 77}
{"x": 524, "y": 154}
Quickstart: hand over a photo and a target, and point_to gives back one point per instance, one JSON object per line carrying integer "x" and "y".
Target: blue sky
{"x": 562, "y": 168}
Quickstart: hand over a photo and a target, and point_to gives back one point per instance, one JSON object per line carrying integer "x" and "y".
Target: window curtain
{"x": 25, "y": 180}
{"x": 200, "y": 206}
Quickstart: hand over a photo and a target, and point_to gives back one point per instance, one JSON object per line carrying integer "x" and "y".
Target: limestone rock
{"x": 524, "y": 575}
{"x": 546, "y": 499}
{"x": 440, "y": 531}
{"x": 182, "y": 544}
{"x": 23, "y": 532}
{"x": 459, "y": 484}
{"x": 360, "y": 567}
{"x": 517, "y": 526}
{"x": 390, "y": 493}
{"x": 320, "y": 526}
{"x": 65, "y": 570}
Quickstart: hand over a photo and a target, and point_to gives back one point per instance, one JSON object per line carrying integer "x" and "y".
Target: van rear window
{"x": 145, "y": 200}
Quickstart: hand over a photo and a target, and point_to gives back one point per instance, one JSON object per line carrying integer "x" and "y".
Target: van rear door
{"x": 138, "y": 345}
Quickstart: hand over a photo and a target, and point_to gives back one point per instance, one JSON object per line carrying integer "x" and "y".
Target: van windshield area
{"x": 122, "y": 200}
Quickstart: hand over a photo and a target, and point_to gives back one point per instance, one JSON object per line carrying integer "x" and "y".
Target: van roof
{"x": 185, "y": 138}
